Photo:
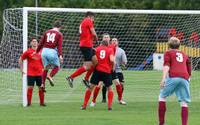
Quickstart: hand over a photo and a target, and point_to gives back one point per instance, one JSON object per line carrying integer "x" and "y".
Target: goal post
{"x": 142, "y": 34}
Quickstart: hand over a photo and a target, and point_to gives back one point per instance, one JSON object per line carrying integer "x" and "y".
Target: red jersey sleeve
{"x": 24, "y": 55}
{"x": 189, "y": 67}
{"x": 60, "y": 45}
{"x": 166, "y": 59}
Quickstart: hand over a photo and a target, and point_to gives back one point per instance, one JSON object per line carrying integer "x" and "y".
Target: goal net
{"x": 142, "y": 34}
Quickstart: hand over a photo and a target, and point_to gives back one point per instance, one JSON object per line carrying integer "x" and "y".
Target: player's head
{"x": 34, "y": 42}
{"x": 114, "y": 41}
{"x": 174, "y": 43}
{"x": 57, "y": 24}
{"x": 106, "y": 37}
{"x": 90, "y": 14}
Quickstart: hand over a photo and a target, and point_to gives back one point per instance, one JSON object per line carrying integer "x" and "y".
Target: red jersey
{"x": 179, "y": 63}
{"x": 51, "y": 39}
{"x": 34, "y": 62}
{"x": 86, "y": 36}
{"x": 103, "y": 55}
{"x": 113, "y": 47}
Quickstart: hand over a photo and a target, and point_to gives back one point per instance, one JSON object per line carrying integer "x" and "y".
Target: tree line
{"x": 109, "y": 4}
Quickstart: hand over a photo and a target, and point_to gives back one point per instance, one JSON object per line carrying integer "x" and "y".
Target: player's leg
{"x": 46, "y": 64}
{"x": 183, "y": 94}
{"x": 169, "y": 88}
{"x": 54, "y": 61}
{"x": 91, "y": 70}
{"x": 87, "y": 64}
{"x": 107, "y": 80}
{"x": 40, "y": 92}
{"x": 120, "y": 77}
{"x": 104, "y": 91}
{"x": 31, "y": 81}
{"x": 161, "y": 110}
{"x": 95, "y": 94}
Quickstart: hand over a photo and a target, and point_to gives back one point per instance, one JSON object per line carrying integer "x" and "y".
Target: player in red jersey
{"x": 87, "y": 34}
{"x": 105, "y": 59}
{"x": 51, "y": 45}
{"x": 34, "y": 73}
{"x": 175, "y": 79}
{"x": 115, "y": 80}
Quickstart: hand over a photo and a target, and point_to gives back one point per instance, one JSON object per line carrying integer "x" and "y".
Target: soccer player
{"x": 175, "y": 79}
{"x": 51, "y": 42}
{"x": 34, "y": 73}
{"x": 87, "y": 34}
{"x": 106, "y": 37}
{"x": 105, "y": 59}
{"x": 121, "y": 61}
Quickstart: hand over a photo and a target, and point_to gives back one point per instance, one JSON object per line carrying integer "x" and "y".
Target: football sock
{"x": 78, "y": 72}
{"x": 104, "y": 89}
{"x": 41, "y": 96}
{"x": 54, "y": 71}
{"x": 44, "y": 76}
{"x": 95, "y": 93}
{"x": 87, "y": 97}
{"x": 89, "y": 72}
{"x": 184, "y": 115}
{"x": 119, "y": 91}
{"x": 29, "y": 95}
{"x": 161, "y": 112}
{"x": 110, "y": 98}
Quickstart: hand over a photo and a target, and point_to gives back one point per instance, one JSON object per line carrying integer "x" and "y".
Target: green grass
{"x": 63, "y": 103}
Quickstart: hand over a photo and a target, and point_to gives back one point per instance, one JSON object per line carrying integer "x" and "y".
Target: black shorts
{"x": 88, "y": 53}
{"x": 120, "y": 76}
{"x": 33, "y": 79}
{"x": 98, "y": 76}
{"x": 114, "y": 75}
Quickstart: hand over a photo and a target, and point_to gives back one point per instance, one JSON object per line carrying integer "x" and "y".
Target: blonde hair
{"x": 174, "y": 43}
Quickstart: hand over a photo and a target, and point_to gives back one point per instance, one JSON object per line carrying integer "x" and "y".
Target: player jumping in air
{"x": 175, "y": 79}
{"x": 105, "y": 59}
{"x": 87, "y": 34}
{"x": 34, "y": 73}
{"x": 51, "y": 42}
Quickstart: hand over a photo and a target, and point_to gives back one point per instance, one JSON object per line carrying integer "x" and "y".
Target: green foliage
{"x": 115, "y": 4}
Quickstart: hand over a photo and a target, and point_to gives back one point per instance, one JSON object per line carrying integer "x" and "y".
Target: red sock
{"x": 95, "y": 93}
{"x": 41, "y": 96}
{"x": 110, "y": 98}
{"x": 119, "y": 91}
{"x": 54, "y": 71}
{"x": 29, "y": 95}
{"x": 88, "y": 74}
{"x": 184, "y": 115}
{"x": 44, "y": 76}
{"x": 161, "y": 112}
{"x": 87, "y": 97}
{"x": 78, "y": 72}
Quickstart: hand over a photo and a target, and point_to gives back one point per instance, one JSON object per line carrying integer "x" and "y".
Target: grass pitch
{"x": 63, "y": 104}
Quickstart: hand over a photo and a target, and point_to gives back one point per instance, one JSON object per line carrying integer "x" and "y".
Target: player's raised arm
{"x": 91, "y": 24}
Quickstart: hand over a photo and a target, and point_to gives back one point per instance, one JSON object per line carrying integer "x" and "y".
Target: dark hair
{"x": 57, "y": 24}
{"x": 33, "y": 38}
{"x": 89, "y": 13}
{"x": 105, "y": 43}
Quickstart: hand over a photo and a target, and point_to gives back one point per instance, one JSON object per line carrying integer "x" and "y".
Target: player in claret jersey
{"x": 175, "y": 79}
{"x": 105, "y": 62}
{"x": 87, "y": 35}
{"x": 34, "y": 73}
{"x": 51, "y": 42}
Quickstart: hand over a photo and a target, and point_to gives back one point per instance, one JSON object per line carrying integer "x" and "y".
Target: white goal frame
{"x": 79, "y": 10}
